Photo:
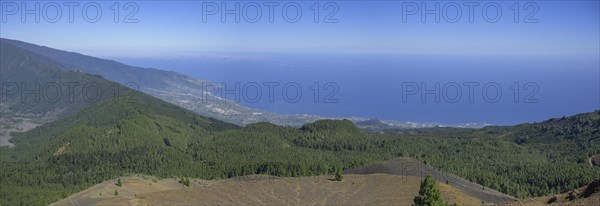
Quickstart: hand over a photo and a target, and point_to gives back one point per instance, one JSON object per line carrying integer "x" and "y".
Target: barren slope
{"x": 390, "y": 182}
{"x": 374, "y": 189}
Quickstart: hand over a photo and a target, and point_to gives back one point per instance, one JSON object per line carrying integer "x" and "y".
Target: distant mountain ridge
{"x": 35, "y": 85}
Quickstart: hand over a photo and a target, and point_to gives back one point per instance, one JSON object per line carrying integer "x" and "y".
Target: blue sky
{"x": 168, "y": 28}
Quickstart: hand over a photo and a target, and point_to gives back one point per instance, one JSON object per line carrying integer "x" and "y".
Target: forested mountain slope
{"x": 35, "y": 90}
{"x": 137, "y": 134}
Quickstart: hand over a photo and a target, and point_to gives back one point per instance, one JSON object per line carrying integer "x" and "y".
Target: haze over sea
{"x": 371, "y": 85}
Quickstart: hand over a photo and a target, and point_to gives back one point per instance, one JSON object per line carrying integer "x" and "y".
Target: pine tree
{"x": 429, "y": 194}
{"x": 186, "y": 181}
{"x": 119, "y": 182}
{"x": 116, "y": 193}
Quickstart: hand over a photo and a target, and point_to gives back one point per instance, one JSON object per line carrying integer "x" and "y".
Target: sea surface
{"x": 502, "y": 90}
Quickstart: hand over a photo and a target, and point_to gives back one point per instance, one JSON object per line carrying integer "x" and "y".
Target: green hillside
{"x": 139, "y": 134}
{"x": 144, "y": 135}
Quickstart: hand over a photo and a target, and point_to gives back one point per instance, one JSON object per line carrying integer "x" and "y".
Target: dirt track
{"x": 594, "y": 160}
